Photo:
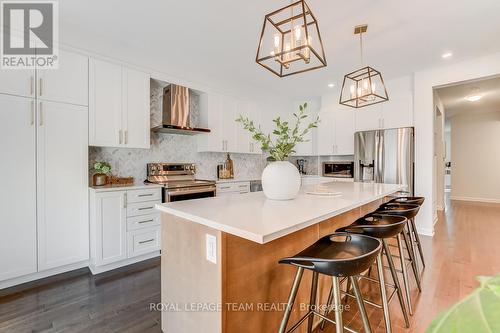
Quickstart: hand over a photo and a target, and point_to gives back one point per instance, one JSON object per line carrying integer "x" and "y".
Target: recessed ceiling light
{"x": 331, "y": 85}
{"x": 446, "y": 55}
{"x": 474, "y": 98}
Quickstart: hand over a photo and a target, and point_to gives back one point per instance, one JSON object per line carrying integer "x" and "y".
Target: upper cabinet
{"x": 68, "y": 83}
{"x": 336, "y": 131}
{"x": 368, "y": 117}
{"x": 219, "y": 113}
{"x": 244, "y": 141}
{"x": 136, "y": 108}
{"x": 396, "y": 112}
{"x": 119, "y": 114}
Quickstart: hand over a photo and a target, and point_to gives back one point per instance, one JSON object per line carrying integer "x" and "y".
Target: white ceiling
{"x": 454, "y": 102}
{"x": 214, "y": 42}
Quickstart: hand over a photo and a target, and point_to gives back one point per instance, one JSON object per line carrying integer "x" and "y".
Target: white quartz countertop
{"x": 136, "y": 186}
{"x": 254, "y": 217}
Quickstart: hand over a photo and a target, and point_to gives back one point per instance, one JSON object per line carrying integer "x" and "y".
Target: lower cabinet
{"x": 124, "y": 227}
{"x": 229, "y": 188}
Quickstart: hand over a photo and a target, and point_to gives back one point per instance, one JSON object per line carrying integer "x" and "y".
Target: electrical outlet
{"x": 212, "y": 248}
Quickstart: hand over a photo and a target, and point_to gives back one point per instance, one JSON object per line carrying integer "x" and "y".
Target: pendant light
{"x": 290, "y": 41}
{"x": 364, "y": 86}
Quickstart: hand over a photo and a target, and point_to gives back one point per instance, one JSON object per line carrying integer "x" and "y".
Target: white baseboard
{"x": 43, "y": 274}
{"x": 101, "y": 269}
{"x": 475, "y": 199}
{"x": 425, "y": 231}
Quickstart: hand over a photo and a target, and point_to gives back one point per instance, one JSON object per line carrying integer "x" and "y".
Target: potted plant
{"x": 280, "y": 178}
{"x": 100, "y": 177}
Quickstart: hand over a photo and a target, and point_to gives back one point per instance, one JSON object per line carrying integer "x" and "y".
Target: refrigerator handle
{"x": 379, "y": 158}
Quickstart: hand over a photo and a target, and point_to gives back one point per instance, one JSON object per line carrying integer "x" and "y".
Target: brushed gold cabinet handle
{"x": 40, "y": 108}
{"x": 32, "y": 113}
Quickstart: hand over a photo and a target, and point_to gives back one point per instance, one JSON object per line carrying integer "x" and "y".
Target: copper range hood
{"x": 176, "y": 112}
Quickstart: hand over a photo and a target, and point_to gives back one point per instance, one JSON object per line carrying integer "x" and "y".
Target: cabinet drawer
{"x": 143, "y": 221}
{"x": 150, "y": 194}
{"x": 141, "y": 208}
{"x": 143, "y": 241}
{"x": 237, "y": 187}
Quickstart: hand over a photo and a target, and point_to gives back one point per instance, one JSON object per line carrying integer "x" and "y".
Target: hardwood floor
{"x": 465, "y": 245}
{"x": 116, "y": 302}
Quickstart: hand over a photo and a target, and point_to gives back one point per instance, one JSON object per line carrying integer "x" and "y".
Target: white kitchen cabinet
{"x": 18, "y": 82}
{"x": 18, "y": 253}
{"x": 336, "y": 131}
{"x": 136, "y": 109}
{"x": 230, "y": 188}
{"x": 398, "y": 111}
{"x": 62, "y": 154}
{"x": 119, "y": 110}
{"x": 227, "y": 135}
{"x": 211, "y": 117}
{"x": 105, "y": 104}
{"x": 368, "y": 117}
{"x": 109, "y": 227}
{"x": 326, "y": 132}
{"x": 68, "y": 83}
{"x": 344, "y": 131}
{"x": 228, "y": 116}
{"x": 143, "y": 241}
{"x": 124, "y": 227}
{"x": 244, "y": 141}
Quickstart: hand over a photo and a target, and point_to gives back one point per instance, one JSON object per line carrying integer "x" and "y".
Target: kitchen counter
{"x": 222, "y": 254}
{"x": 255, "y": 218}
{"x": 135, "y": 186}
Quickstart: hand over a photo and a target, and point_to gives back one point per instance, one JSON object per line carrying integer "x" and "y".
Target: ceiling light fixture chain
{"x": 361, "y": 49}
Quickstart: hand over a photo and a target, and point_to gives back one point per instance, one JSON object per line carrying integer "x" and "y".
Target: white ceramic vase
{"x": 281, "y": 181}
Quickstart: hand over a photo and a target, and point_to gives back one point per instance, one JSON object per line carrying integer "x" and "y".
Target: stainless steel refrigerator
{"x": 385, "y": 156}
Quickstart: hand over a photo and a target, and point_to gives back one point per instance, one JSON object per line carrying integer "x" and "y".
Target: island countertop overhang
{"x": 254, "y": 217}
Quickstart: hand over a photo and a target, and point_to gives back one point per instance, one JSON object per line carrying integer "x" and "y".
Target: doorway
{"x": 467, "y": 141}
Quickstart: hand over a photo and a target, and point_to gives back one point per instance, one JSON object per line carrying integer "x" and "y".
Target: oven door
{"x": 180, "y": 194}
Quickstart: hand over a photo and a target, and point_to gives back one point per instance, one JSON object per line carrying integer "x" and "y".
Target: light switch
{"x": 212, "y": 248}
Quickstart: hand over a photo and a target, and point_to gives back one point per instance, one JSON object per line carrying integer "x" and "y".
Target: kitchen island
{"x": 220, "y": 270}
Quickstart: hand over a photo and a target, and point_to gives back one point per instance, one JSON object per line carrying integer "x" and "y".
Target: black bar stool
{"x": 409, "y": 211}
{"x": 336, "y": 255}
{"x": 381, "y": 227}
{"x": 415, "y": 237}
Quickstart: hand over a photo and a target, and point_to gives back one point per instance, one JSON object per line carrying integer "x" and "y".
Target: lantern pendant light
{"x": 364, "y": 86}
{"x": 290, "y": 41}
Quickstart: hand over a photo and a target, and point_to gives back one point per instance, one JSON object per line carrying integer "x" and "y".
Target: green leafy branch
{"x": 285, "y": 136}
{"x": 102, "y": 167}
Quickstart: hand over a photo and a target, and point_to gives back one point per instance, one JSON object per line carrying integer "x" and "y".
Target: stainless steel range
{"x": 179, "y": 181}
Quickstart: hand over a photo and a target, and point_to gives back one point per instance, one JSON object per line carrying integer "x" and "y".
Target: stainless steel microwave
{"x": 338, "y": 169}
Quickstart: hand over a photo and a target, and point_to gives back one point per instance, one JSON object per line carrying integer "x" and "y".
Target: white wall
{"x": 475, "y": 152}
{"x": 425, "y": 81}
{"x": 439, "y": 152}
